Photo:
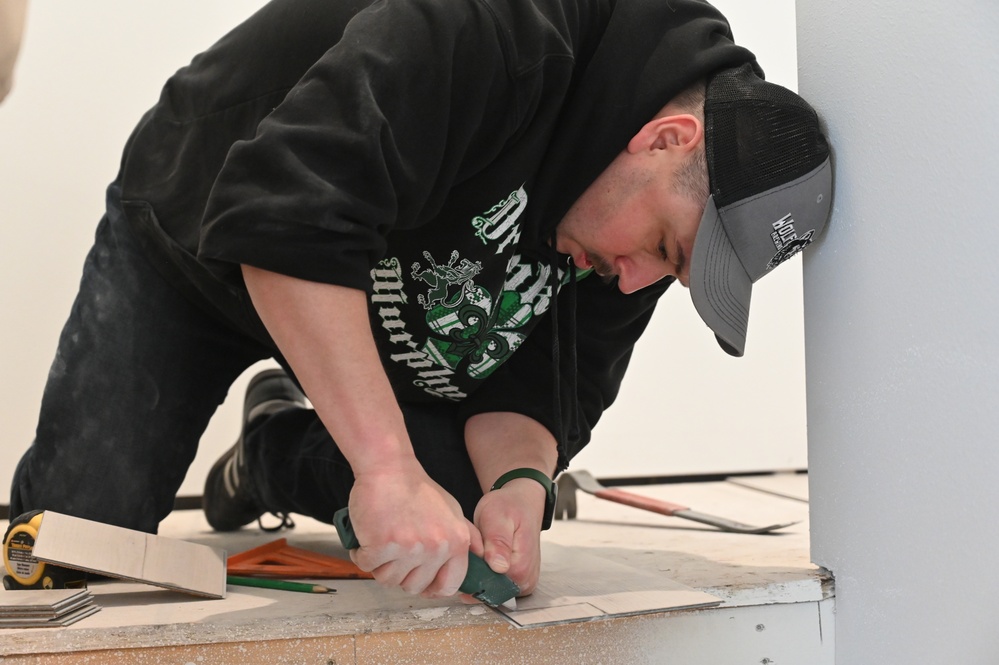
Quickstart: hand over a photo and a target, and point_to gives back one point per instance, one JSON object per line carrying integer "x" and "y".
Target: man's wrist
{"x": 541, "y": 478}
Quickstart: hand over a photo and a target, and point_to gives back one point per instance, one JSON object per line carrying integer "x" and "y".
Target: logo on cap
{"x": 787, "y": 241}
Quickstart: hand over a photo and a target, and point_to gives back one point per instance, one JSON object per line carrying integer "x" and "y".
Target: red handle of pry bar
{"x": 643, "y": 502}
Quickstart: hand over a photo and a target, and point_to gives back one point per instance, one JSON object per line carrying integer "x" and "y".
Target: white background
{"x": 87, "y": 73}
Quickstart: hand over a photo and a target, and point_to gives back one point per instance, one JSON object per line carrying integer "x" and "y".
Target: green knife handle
{"x": 341, "y": 520}
{"x": 480, "y": 581}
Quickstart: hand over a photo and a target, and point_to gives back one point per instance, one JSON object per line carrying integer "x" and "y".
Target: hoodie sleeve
{"x": 607, "y": 325}
{"x": 371, "y": 139}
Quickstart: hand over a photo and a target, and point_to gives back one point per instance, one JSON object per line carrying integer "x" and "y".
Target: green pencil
{"x": 278, "y": 584}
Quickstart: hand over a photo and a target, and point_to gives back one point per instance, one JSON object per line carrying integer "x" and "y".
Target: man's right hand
{"x": 412, "y": 532}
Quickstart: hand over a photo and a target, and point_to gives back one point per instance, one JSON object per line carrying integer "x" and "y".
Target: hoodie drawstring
{"x": 572, "y": 436}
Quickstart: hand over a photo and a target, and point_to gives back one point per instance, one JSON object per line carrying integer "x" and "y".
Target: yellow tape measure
{"x": 24, "y": 571}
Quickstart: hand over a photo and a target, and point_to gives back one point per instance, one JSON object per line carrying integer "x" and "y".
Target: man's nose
{"x": 635, "y": 275}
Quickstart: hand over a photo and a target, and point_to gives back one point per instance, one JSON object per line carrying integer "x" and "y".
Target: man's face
{"x": 632, "y": 223}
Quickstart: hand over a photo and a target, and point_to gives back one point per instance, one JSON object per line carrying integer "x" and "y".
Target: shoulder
{"x": 533, "y": 31}
{"x": 527, "y": 31}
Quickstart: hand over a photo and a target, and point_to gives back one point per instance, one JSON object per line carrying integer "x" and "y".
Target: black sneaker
{"x": 229, "y": 501}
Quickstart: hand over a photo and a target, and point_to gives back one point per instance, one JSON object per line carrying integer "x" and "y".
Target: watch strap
{"x": 551, "y": 490}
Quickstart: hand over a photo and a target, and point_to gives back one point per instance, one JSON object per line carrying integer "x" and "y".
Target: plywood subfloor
{"x": 754, "y": 576}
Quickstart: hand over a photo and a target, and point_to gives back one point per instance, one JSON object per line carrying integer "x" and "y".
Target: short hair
{"x": 691, "y": 99}
{"x": 691, "y": 179}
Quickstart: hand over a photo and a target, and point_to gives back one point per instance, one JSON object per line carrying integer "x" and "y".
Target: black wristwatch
{"x": 551, "y": 490}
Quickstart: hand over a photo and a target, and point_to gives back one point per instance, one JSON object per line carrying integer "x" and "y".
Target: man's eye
{"x": 662, "y": 251}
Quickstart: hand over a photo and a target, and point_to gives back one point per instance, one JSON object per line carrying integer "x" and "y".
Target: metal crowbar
{"x": 570, "y": 481}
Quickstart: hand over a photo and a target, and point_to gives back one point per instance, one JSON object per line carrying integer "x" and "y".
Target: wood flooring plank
{"x": 129, "y": 554}
{"x": 577, "y": 586}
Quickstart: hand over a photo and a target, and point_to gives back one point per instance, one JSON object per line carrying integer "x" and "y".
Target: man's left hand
{"x": 509, "y": 519}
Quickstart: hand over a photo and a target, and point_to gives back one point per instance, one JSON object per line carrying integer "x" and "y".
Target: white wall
{"x": 902, "y": 317}
{"x": 87, "y": 73}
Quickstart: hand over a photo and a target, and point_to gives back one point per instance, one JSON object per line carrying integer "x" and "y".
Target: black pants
{"x": 138, "y": 373}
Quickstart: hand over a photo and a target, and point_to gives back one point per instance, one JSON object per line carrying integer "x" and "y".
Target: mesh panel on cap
{"x": 759, "y": 136}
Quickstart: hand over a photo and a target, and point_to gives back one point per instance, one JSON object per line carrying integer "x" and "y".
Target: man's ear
{"x": 683, "y": 132}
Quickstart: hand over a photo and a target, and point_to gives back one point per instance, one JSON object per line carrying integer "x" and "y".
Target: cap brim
{"x": 720, "y": 287}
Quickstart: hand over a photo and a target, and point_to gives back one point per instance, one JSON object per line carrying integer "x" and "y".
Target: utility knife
{"x": 481, "y": 581}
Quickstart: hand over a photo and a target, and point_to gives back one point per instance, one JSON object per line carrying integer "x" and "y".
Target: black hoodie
{"x": 423, "y": 151}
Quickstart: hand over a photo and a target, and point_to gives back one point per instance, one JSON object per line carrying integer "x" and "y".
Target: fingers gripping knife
{"x": 481, "y": 581}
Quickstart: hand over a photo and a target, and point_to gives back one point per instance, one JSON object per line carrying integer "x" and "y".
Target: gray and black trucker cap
{"x": 771, "y": 191}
